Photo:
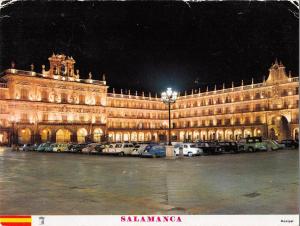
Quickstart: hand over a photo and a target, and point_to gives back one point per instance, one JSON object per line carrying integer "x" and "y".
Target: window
{"x": 44, "y": 96}
{"x": 24, "y": 94}
{"x": 64, "y": 98}
{"x": 82, "y": 99}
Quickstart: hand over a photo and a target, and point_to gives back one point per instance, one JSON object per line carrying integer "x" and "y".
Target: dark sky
{"x": 153, "y": 45}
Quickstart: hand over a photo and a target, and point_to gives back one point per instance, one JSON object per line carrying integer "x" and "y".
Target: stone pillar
{"x": 53, "y": 137}
{"x": 170, "y": 151}
{"x": 74, "y": 137}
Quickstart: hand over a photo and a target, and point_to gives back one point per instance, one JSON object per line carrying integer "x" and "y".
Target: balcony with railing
{"x": 55, "y": 77}
{"x": 3, "y": 85}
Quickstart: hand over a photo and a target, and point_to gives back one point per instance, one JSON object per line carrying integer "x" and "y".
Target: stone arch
{"x": 257, "y": 132}
{"x": 247, "y": 133}
{"x": 63, "y": 136}
{"x": 189, "y": 136}
{"x": 228, "y": 134}
{"x": 3, "y": 137}
{"x": 181, "y": 135}
{"x": 148, "y": 136}
{"x": 45, "y": 135}
{"x": 81, "y": 135}
{"x": 280, "y": 127}
{"x": 238, "y": 134}
{"x": 154, "y": 136}
{"x": 126, "y": 136}
{"x": 296, "y": 134}
{"x": 97, "y": 134}
{"x": 111, "y": 136}
{"x": 203, "y": 135}
{"x": 211, "y": 135}
{"x": 141, "y": 136}
{"x": 134, "y": 136}
{"x": 220, "y": 134}
{"x": 118, "y": 137}
{"x": 24, "y": 136}
{"x": 196, "y": 135}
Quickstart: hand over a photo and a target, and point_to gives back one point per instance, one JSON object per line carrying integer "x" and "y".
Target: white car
{"x": 89, "y": 148}
{"x": 189, "y": 149}
{"x": 120, "y": 148}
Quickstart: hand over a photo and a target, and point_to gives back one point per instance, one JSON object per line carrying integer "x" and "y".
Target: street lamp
{"x": 169, "y": 97}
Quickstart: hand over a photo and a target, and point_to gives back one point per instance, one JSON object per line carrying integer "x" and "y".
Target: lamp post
{"x": 169, "y": 97}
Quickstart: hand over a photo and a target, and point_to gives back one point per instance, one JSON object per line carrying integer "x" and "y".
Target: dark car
{"x": 70, "y": 146}
{"x": 26, "y": 147}
{"x": 42, "y": 147}
{"x": 34, "y": 147}
{"x": 78, "y": 147}
{"x": 210, "y": 147}
{"x": 290, "y": 143}
{"x": 229, "y": 146}
{"x": 154, "y": 150}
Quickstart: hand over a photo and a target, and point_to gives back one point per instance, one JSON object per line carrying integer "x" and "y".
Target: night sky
{"x": 153, "y": 45}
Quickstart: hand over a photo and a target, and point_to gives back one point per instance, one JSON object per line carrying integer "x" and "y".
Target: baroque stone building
{"x": 56, "y": 105}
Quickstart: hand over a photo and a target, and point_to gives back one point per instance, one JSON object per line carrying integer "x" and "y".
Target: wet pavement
{"x": 63, "y": 183}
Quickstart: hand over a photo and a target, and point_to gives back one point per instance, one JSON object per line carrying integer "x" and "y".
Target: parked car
{"x": 50, "y": 147}
{"x": 139, "y": 149}
{"x": 154, "y": 151}
{"x": 252, "y": 144}
{"x": 89, "y": 148}
{"x": 290, "y": 143}
{"x": 189, "y": 149}
{"x": 273, "y": 145}
{"x": 78, "y": 147}
{"x": 100, "y": 147}
{"x": 60, "y": 148}
{"x": 229, "y": 146}
{"x": 26, "y": 147}
{"x": 70, "y": 146}
{"x": 42, "y": 147}
{"x": 120, "y": 148}
{"x": 210, "y": 147}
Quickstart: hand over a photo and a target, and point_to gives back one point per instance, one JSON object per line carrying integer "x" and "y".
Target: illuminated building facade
{"x": 56, "y": 105}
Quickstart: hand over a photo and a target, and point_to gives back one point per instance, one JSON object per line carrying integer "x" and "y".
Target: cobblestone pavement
{"x": 63, "y": 183}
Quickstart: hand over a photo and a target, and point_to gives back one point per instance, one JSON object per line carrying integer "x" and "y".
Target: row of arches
{"x": 219, "y": 134}
{"x": 184, "y": 135}
{"x": 62, "y": 135}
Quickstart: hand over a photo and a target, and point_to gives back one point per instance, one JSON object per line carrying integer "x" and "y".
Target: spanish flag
{"x": 15, "y": 220}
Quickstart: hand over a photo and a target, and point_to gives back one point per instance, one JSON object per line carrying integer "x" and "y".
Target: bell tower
{"x": 61, "y": 65}
{"x": 276, "y": 73}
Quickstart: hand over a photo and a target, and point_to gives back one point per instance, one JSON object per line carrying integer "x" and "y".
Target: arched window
{"x": 81, "y": 99}
{"x": 64, "y": 98}
{"x": 44, "y": 95}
